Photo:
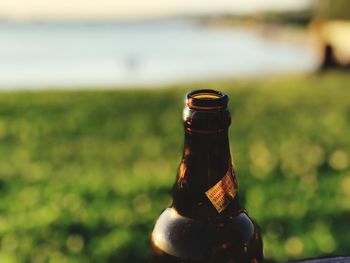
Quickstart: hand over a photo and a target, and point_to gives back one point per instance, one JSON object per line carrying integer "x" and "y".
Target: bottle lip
{"x": 206, "y": 99}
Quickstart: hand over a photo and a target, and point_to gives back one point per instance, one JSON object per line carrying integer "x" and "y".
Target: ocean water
{"x": 69, "y": 55}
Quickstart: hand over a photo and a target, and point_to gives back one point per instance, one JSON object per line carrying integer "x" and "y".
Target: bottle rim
{"x": 206, "y": 99}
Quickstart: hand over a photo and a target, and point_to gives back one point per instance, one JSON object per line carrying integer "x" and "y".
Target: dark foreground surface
{"x": 328, "y": 260}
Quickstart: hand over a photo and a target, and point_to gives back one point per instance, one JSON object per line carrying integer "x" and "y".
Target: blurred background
{"x": 91, "y": 94}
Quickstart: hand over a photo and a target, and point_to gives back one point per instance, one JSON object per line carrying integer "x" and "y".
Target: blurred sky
{"x": 134, "y": 9}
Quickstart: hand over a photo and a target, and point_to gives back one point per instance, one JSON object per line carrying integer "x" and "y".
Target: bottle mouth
{"x": 206, "y": 99}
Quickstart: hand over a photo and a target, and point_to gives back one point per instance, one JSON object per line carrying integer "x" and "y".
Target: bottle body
{"x": 176, "y": 238}
{"x": 205, "y": 222}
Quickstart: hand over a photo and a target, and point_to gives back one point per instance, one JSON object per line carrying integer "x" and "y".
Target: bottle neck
{"x": 206, "y": 161}
{"x": 207, "y": 156}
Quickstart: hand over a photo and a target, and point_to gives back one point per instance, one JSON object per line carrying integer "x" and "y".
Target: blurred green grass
{"x": 85, "y": 174}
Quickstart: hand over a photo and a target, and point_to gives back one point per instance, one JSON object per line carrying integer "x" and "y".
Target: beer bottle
{"x": 205, "y": 222}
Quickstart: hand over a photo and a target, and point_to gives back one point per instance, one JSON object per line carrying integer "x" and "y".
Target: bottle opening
{"x": 206, "y": 99}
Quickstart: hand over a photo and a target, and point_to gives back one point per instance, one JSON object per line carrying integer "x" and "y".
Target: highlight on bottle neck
{"x": 206, "y": 111}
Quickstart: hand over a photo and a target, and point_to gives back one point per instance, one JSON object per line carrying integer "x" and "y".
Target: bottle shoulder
{"x": 191, "y": 239}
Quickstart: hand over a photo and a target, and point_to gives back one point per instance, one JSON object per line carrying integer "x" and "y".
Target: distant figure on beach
{"x": 331, "y": 26}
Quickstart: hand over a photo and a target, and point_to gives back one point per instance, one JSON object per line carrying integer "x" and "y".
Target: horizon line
{"x": 4, "y": 18}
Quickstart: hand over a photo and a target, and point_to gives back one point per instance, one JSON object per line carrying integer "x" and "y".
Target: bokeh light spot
{"x": 339, "y": 160}
{"x": 294, "y": 246}
{"x": 75, "y": 243}
{"x": 142, "y": 203}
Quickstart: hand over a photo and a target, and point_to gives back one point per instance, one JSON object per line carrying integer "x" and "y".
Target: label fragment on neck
{"x": 223, "y": 192}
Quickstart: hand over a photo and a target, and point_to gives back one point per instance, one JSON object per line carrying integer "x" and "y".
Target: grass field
{"x": 85, "y": 174}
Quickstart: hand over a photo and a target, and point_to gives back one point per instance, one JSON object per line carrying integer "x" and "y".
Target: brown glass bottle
{"x": 205, "y": 222}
